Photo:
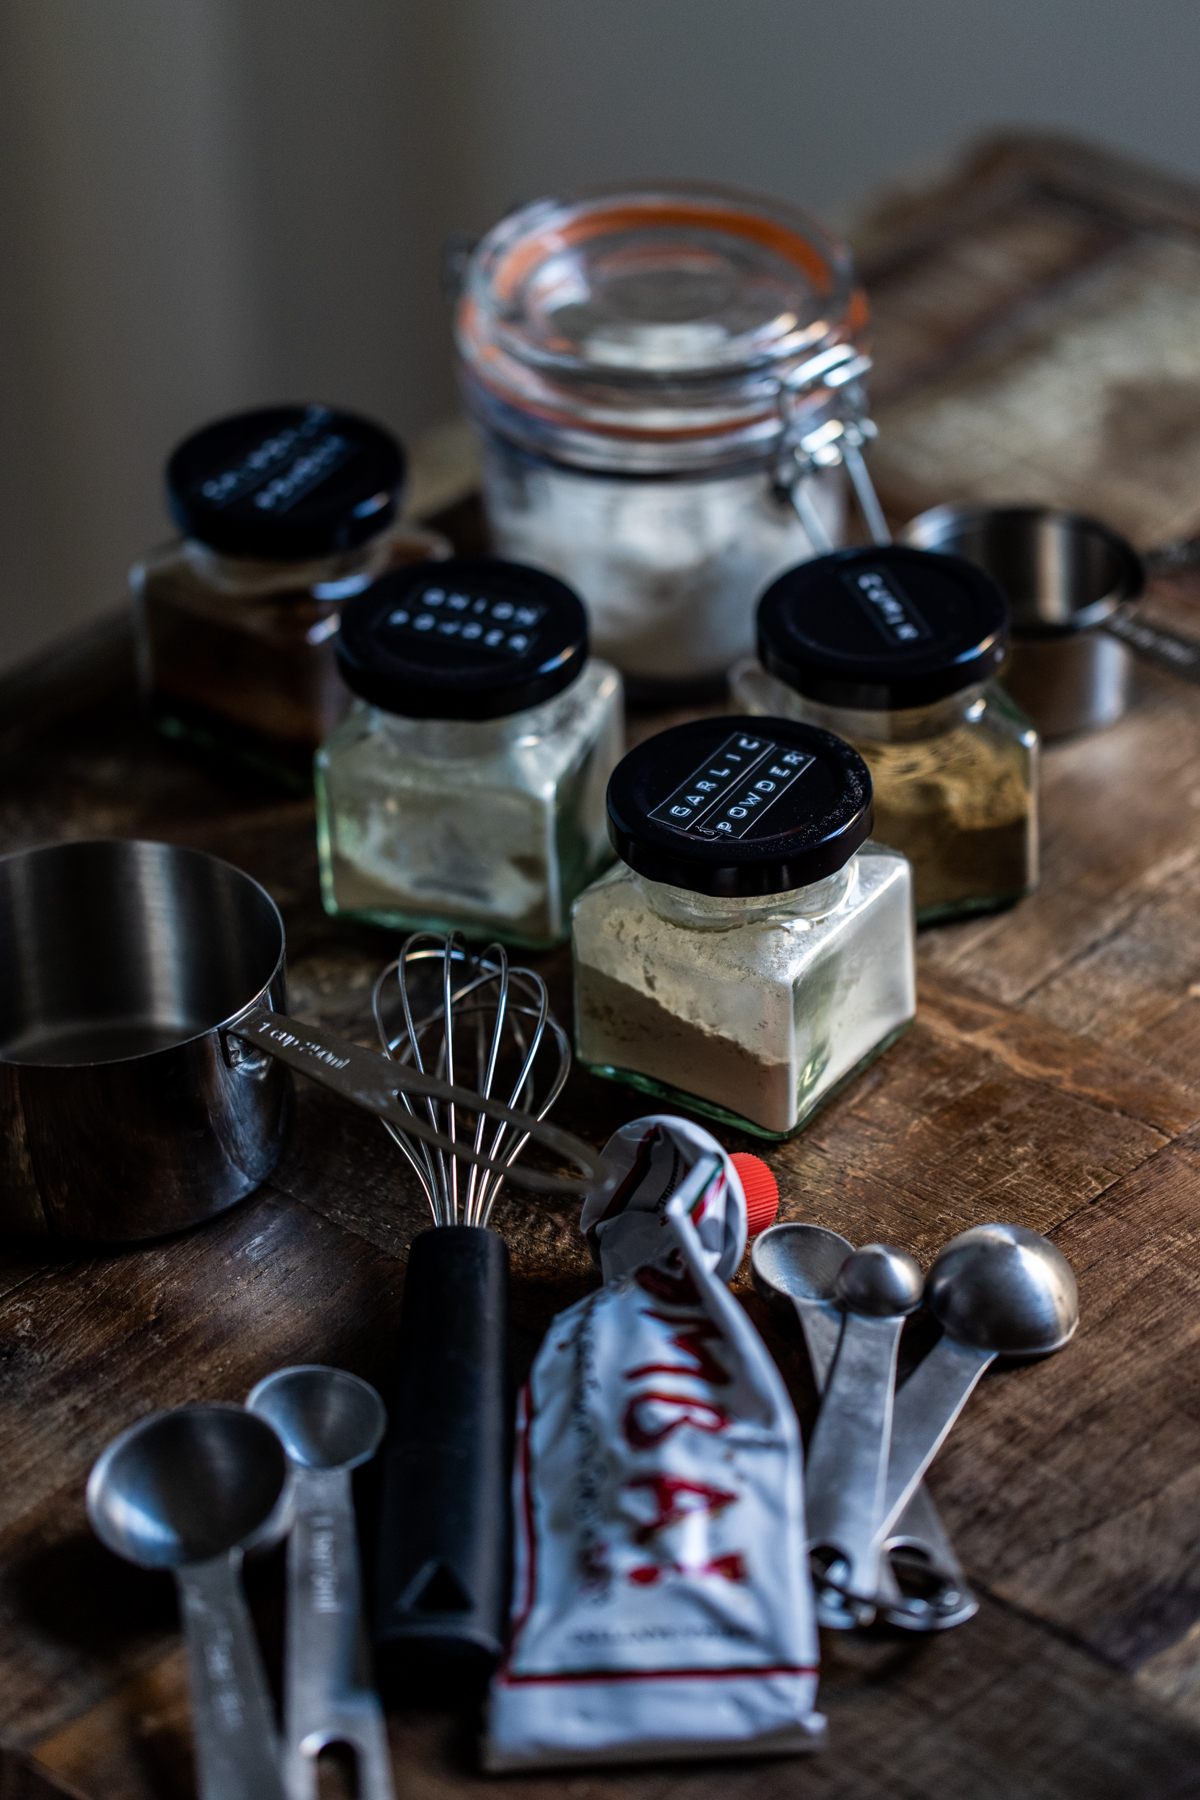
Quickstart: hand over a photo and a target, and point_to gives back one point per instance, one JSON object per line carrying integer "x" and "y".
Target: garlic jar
{"x": 752, "y": 950}
{"x": 465, "y": 788}
{"x": 652, "y": 373}
{"x": 895, "y": 650}
{"x": 285, "y": 513}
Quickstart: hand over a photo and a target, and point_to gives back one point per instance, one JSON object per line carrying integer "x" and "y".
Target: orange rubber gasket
{"x": 786, "y": 241}
{"x": 521, "y": 400}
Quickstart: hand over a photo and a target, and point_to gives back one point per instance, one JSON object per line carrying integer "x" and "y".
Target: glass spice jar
{"x": 752, "y": 950}
{"x": 465, "y": 788}
{"x": 661, "y": 380}
{"x": 894, "y": 649}
{"x": 285, "y": 513}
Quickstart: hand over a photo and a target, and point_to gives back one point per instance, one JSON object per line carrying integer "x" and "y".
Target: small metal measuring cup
{"x": 1071, "y": 583}
{"x": 143, "y": 1045}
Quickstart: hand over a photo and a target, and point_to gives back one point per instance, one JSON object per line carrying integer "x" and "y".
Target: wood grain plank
{"x": 1054, "y": 1059}
{"x": 23, "y": 1778}
{"x": 86, "y": 1349}
{"x": 1071, "y": 1060}
{"x": 135, "y": 1742}
{"x": 1118, "y": 824}
{"x": 1000, "y": 1711}
{"x": 1073, "y": 1486}
{"x": 939, "y": 1135}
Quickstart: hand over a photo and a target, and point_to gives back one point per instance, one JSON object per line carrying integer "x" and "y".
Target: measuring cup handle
{"x": 1165, "y": 649}
{"x": 237, "y": 1749}
{"x": 373, "y": 1082}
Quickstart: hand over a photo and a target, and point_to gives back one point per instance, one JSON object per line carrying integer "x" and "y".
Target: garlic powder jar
{"x": 752, "y": 950}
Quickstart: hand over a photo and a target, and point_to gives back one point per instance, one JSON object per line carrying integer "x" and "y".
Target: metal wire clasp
{"x": 820, "y": 434}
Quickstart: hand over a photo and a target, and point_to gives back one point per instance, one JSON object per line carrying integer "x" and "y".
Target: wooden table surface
{"x": 1051, "y": 1078}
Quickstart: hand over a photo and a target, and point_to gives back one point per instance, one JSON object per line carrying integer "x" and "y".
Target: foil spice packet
{"x": 661, "y": 1604}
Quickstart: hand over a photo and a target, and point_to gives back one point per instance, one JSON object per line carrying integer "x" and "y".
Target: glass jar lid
{"x": 882, "y": 628}
{"x": 651, "y": 329}
{"x": 285, "y": 483}
{"x": 464, "y": 639}
{"x": 740, "y": 806}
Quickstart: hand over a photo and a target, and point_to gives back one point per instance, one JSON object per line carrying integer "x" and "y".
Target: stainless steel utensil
{"x": 800, "y": 1263}
{"x": 997, "y": 1290}
{"x": 1071, "y": 583}
{"x": 142, "y": 1044}
{"x": 443, "y": 1545}
{"x": 191, "y": 1491}
{"x": 329, "y": 1422}
{"x": 847, "y": 1467}
{"x": 487, "y": 1013}
{"x": 835, "y": 433}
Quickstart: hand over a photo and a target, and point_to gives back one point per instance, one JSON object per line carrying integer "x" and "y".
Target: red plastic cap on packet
{"x": 760, "y": 1188}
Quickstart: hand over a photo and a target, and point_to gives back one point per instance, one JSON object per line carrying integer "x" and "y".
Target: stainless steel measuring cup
{"x": 143, "y": 1043}
{"x": 1071, "y": 583}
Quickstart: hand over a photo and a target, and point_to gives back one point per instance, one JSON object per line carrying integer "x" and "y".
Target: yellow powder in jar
{"x": 958, "y": 805}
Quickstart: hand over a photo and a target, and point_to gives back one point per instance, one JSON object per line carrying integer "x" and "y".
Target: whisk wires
{"x": 506, "y": 1011}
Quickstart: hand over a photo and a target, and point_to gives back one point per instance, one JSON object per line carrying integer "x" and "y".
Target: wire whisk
{"x": 459, "y": 1006}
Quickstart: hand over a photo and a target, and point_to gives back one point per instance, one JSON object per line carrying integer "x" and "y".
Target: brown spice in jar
{"x": 262, "y": 662}
{"x": 960, "y": 809}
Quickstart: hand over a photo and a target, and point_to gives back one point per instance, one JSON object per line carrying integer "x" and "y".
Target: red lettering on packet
{"x": 693, "y": 1341}
{"x": 676, "y": 1290}
{"x": 731, "y": 1568}
{"x": 643, "y": 1431}
{"x": 675, "y": 1499}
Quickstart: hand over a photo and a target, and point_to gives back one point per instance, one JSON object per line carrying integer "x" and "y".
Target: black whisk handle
{"x": 442, "y": 1572}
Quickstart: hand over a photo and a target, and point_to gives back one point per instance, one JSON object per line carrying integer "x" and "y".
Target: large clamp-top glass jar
{"x": 666, "y": 382}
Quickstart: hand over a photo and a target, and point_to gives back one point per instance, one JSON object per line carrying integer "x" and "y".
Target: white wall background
{"x": 205, "y": 204}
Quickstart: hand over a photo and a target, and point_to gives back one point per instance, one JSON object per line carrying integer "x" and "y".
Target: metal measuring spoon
{"x": 800, "y": 1263}
{"x": 190, "y": 1491}
{"x": 329, "y": 1422}
{"x": 997, "y": 1290}
{"x": 876, "y": 1287}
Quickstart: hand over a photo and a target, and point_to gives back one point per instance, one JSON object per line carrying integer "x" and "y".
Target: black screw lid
{"x": 465, "y": 639}
{"x": 285, "y": 483}
{"x": 882, "y": 628}
{"x": 739, "y": 806}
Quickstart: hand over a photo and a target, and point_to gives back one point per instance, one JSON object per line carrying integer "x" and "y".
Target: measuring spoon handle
{"x": 328, "y": 1697}
{"x": 237, "y": 1749}
{"x": 821, "y": 1323}
{"x": 925, "y": 1409}
{"x": 848, "y": 1457}
{"x": 919, "y": 1525}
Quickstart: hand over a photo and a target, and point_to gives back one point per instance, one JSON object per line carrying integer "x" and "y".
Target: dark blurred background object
{"x": 214, "y": 206}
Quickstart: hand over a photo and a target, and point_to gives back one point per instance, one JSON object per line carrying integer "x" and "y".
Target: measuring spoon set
{"x": 996, "y": 1290}
{"x": 191, "y": 1491}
